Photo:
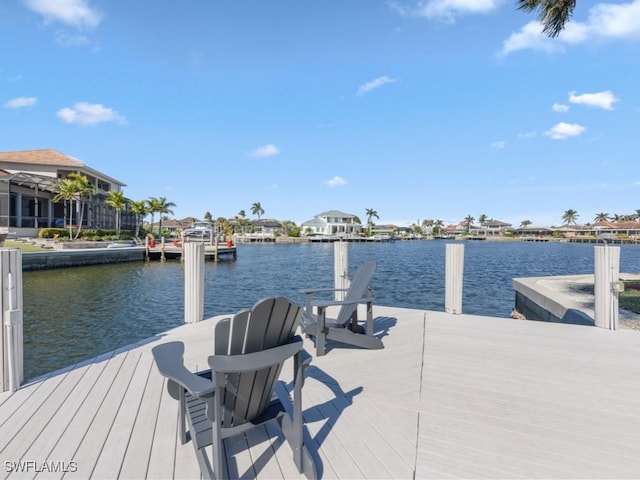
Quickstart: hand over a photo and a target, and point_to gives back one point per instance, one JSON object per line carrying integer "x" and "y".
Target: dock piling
{"x": 193, "y": 282}
{"x": 606, "y": 286}
{"x": 454, "y": 268}
{"x": 340, "y": 269}
{"x": 11, "y": 333}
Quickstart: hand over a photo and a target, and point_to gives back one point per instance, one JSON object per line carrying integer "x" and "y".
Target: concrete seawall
{"x": 77, "y": 257}
{"x": 561, "y": 299}
{"x": 564, "y": 299}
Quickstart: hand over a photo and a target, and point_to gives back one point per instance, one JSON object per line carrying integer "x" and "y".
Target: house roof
{"x": 316, "y": 222}
{"x": 51, "y": 157}
{"x": 267, "y": 222}
{"x": 46, "y": 156}
{"x": 616, "y": 225}
{"x": 334, "y": 213}
{"x": 495, "y": 223}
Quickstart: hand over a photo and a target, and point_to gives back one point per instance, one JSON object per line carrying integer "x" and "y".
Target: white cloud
{"x": 605, "y": 21}
{"x": 527, "y": 135}
{"x": 615, "y": 20}
{"x": 499, "y": 145}
{"x": 373, "y": 84}
{"x": 72, "y": 40}
{"x": 74, "y": 13}
{"x": 603, "y": 100}
{"x": 265, "y": 151}
{"x": 83, "y": 113}
{"x": 445, "y": 10}
{"x": 559, "y": 107}
{"x": 336, "y": 181}
{"x": 21, "y": 102}
{"x": 530, "y": 37}
{"x": 562, "y": 131}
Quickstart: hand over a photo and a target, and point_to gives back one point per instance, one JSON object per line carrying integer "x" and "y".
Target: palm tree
{"x": 601, "y": 217}
{"x": 525, "y": 223}
{"x": 208, "y": 217}
{"x": 117, "y": 201}
{"x": 161, "y": 206}
{"x": 370, "y": 212}
{"x": 570, "y": 217}
{"x": 164, "y": 208}
{"x": 152, "y": 207}
{"x": 553, "y": 14}
{"x": 468, "y": 221}
{"x": 66, "y": 190}
{"x": 437, "y": 227}
{"x": 256, "y": 209}
{"x": 483, "y": 219}
{"x": 85, "y": 190}
{"x": 76, "y": 187}
{"x": 140, "y": 210}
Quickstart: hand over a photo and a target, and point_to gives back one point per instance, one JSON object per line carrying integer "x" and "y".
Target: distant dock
{"x": 172, "y": 252}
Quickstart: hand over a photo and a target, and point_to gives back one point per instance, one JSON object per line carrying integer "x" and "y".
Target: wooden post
{"x": 454, "y": 268}
{"x": 606, "y": 286}
{"x": 193, "y": 282}
{"x": 163, "y": 258}
{"x": 340, "y": 268}
{"x": 11, "y": 336}
{"x": 146, "y": 248}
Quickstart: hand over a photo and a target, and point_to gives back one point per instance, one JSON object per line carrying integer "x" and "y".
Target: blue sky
{"x": 430, "y": 109}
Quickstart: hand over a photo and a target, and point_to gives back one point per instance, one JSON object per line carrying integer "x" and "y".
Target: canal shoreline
{"x": 80, "y": 257}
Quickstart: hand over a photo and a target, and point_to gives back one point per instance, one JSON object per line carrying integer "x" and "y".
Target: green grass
{"x": 630, "y": 298}
{"x": 22, "y": 246}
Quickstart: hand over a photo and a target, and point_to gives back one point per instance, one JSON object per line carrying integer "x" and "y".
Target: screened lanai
{"x": 26, "y": 202}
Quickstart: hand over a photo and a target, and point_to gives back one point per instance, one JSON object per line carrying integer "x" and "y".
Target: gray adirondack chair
{"x": 345, "y": 328}
{"x": 237, "y": 394}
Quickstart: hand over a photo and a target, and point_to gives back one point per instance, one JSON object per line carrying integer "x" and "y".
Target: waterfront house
{"x": 493, "y": 228}
{"x": 173, "y": 226}
{"x": 265, "y": 228}
{"x": 332, "y": 223}
{"x": 620, "y": 229}
{"x": 531, "y": 232}
{"x": 27, "y": 180}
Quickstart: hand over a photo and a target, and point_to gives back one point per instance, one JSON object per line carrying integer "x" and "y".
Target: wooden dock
{"x": 450, "y": 396}
{"x": 171, "y": 252}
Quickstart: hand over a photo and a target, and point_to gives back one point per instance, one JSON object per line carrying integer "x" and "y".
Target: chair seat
{"x": 200, "y": 427}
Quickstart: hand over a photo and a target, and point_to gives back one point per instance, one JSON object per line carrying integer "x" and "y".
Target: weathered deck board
{"x": 448, "y": 397}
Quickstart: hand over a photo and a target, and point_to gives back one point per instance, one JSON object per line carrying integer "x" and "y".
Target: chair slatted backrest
{"x": 357, "y": 290}
{"x": 271, "y": 322}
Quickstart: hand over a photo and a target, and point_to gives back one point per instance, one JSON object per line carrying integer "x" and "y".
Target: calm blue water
{"x": 76, "y": 313}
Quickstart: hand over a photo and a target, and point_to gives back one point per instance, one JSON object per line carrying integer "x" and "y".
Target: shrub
{"x": 53, "y": 233}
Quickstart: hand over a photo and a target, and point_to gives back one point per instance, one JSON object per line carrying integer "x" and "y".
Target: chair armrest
{"x": 329, "y": 303}
{"x": 257, "y": 360}
{"x": 169, "y": 360}
{"x": 321, "y": 290}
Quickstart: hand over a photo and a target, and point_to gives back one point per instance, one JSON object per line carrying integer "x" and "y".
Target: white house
{"x": 332, "y": 223}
